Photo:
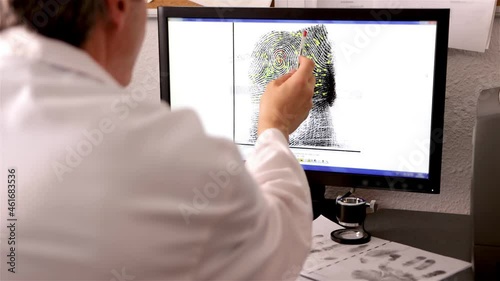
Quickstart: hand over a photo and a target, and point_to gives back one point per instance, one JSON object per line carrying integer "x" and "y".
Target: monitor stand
{"x": 348, "y": 211}
{"x": 320, "y": 203}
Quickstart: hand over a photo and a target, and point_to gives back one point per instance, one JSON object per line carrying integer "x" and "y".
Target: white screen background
{"x": 201, "y": 72}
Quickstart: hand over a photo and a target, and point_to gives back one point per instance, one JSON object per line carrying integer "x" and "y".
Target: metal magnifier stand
{"x": 351, "y": 213}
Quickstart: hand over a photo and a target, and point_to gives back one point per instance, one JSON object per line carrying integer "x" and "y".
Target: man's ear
{"x": 117, "y": 10}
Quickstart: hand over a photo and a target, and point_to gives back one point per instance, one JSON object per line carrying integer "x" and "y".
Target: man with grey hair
{"x": 102, "y": 184}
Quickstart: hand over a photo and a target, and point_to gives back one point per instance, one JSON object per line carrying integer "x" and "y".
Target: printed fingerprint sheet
{"x": 377, "y": 260}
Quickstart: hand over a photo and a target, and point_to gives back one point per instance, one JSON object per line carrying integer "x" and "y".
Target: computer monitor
{"x": 378, "y": 106}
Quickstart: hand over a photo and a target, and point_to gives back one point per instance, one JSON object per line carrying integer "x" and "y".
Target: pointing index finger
{"x": 306, "y": 66}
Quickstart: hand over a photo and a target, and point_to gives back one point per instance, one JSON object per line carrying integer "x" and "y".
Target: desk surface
{"x": 445, "y": 234}
{"x": 156, "y": 3}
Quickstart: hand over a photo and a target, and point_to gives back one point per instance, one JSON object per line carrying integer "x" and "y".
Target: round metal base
{"x": 350, "y": 236}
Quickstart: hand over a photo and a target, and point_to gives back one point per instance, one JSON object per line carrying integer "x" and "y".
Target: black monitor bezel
{"x": 441, "y": 16}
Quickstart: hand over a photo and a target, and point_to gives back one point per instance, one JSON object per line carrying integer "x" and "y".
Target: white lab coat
{"x": 115, "y": 186}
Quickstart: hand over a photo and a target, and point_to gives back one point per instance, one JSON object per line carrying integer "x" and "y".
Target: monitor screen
{"x": 376, "y": 105}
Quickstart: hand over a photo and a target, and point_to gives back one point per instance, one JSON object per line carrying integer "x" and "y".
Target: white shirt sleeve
{"x": 267, "y": 235}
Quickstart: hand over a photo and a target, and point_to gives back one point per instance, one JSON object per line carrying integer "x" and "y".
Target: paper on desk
{"x": 234, "y": 3}
{"x": 294, "y": 3}
{"x": 411, "y": 4}
{"x": 378, "y": 260}
{"x": 325, "y": 252}
{"x": 367, "y": 3}
{"x": 471, "y": 24}
{"x": 471, "y": 21}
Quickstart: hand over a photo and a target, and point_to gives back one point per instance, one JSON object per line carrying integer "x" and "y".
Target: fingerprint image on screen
{"x": 275, "y": 54}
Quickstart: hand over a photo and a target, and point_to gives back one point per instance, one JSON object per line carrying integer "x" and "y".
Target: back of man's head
{"x": 66, "y": 20}
{"x": 110, "y": 31}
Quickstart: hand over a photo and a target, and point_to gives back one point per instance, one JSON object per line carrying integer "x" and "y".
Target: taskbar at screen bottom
{"x": 384, "y": 173}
